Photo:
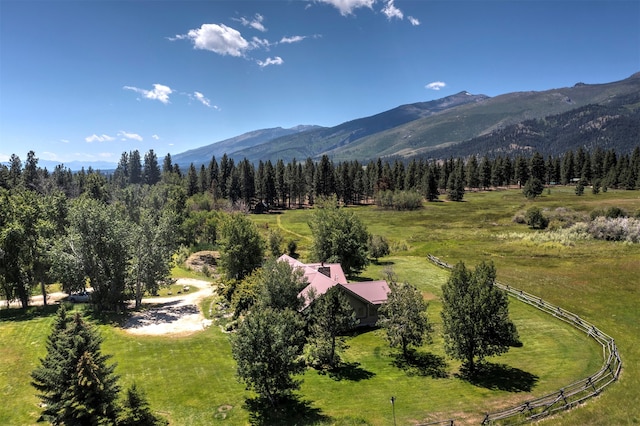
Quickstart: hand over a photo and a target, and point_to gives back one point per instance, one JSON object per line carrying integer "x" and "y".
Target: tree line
{"x": 298, "y": 183}
{"x": 116, "y": 231}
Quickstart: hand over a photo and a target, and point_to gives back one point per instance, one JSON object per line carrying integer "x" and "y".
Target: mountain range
{"x": 551, "y": 121}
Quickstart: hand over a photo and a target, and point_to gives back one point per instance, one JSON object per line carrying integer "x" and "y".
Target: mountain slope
{"x": 314, "y": 143}
{"x": 613, "y": 126}
{"x": 474, "y": 120}
{"x": 438, "y": 127}
{"x": 247, "y": 140}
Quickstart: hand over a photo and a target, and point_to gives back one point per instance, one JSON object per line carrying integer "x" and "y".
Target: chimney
{"x": 325, "y": 270}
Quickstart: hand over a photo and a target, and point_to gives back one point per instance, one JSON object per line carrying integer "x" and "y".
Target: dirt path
{"x": 172, "y": 315}
{"x": 177, "y": 314}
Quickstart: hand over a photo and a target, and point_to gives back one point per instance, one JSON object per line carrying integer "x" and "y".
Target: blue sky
{"x": 88, "y": 80}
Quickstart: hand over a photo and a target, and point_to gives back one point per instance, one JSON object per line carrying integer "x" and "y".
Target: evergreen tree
{"x": 75, "y": 383}
{"x": 192, "y": 181}
{"x": 30, "y": 177}
{"x": 475, "y": 316}
{"x": 485, "y": 172}
{"x": 533, "y": 188}
{"x": 537, "y": 167}
{"x": 136, "y": 411}
{"x": 455, "y": 185}
{"x": 473, "y": 173}
{"x": 135, "y": 167}
{"x": 151, "y": 170}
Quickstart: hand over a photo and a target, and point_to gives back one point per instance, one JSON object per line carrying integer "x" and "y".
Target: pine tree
{"x": 136, "y": 412}
{"x": 75, "y": 383}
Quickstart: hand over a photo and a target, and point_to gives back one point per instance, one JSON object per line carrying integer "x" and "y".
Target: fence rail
{"x": 570, "y": 395}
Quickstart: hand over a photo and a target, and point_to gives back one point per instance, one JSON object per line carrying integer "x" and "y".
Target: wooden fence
{"x": 570, "y": 395}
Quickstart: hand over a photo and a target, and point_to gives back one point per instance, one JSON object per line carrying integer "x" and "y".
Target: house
{"x": 365, "y": 297}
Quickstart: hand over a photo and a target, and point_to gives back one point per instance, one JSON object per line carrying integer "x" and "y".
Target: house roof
{"x": 374, "y": 292}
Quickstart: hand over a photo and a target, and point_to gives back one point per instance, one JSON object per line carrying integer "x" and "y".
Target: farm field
{"x": 191, "y": 379}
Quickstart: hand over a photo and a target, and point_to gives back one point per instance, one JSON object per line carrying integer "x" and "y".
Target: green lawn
{"x": 192, "y": 379}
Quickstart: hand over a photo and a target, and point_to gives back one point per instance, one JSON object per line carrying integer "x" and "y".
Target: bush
{"x": 615, "y": 212}
{"x": 399, "y": 200}
{"x": 292, "y": 246}
{"x": 535, "y": 218}
{"x": 378, "y": 246}
{"x": 596, "y": 213}
{"x": 615, "y": 229}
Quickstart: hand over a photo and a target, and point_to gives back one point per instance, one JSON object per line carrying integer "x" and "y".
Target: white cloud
{"x": 160, "y": 92}
{"x": 346, "y": 7}
{"x": 391, "y": 11}
{"x": 276, "y": 60}
{"x": 126, "y": 135}
{"x": 64, "y": 140}
{"x": 436, "y": 85}
{"x": 156, "y": 137}
{"x": 4, "y": 158}
{"x": 100, "y": 138}
{"x": 216, "y": 38}
{"x": 204, "y": 100}
{"x": 255, "y": 23}
{"x": 258, "y": 42}
{"x": 294, "y": 39}
{"x": 414, "y": 21}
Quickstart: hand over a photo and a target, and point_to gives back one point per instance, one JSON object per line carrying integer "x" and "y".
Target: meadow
{"x": 191, "y": 379}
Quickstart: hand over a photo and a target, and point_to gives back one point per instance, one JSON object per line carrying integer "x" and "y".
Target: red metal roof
{"x": 374, "y": 292}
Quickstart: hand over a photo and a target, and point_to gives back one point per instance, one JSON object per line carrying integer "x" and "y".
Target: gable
{"x": 322, "y": 276}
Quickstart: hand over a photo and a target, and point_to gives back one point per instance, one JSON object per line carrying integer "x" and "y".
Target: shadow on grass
{"x": 350, "y": 371}
{"x": 22, "y": 314}
{"x": 290, "y": 410}
{"x": 501, "y": 377}
{"x": 421, "y": 364}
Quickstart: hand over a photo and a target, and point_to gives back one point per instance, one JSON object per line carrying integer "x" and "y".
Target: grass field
{"x": 191, "y": 380}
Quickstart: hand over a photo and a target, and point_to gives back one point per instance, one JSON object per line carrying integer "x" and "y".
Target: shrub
{"x": 535, "y": 218}
{"x": 615, "y": 229}
{"x": 596, "y": 213}
{"x": 615, "y": 212}
{"x": 399, "y": 200}
{"x": 378, "y": 246}
{"x": 292, "y": 246}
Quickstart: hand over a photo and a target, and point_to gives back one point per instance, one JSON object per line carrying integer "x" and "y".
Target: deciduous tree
{"x": 404, "y": 317}
{"x": 339, "y": 236}
{"x": 475, "y": 316}
{"x": 241, "y": 247}
{"x": 331, "y": 315}
{"x": 267, "y": 349}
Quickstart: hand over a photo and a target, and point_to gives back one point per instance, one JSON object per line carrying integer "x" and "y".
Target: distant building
{"x": 365, "y": 297}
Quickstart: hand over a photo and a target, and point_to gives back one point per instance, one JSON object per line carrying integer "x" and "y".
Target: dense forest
{"x": 614, "y": 126}
{"x": 118, "y": 230}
